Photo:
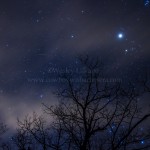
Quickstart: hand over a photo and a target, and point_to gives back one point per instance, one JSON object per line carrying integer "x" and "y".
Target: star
{"x": 142, "y": 142}
{"x": 82, "y": 11}
{"x": 37, "y": 20}
{"x": 7, "y": 45}
{"x": 40, "y": 11}
{"x": 72, "y": 36}
{"x": 41, "y": 96}
{"x": 120, "y": 35}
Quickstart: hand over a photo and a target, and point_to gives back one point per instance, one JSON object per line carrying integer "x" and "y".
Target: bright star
{"x": 120, "y": 35}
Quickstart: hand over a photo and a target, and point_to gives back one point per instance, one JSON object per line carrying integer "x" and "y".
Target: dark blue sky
{"x": 37, "y": 35}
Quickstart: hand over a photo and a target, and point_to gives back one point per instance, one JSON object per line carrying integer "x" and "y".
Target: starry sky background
{"x": 38, "y": 35}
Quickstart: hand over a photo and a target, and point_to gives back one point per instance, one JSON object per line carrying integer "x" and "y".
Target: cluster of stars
{"x": 113, "y": 127}
{"x": 147, "y": 3}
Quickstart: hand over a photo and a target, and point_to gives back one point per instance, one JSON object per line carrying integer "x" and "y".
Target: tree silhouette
{"x": 2, "y": 128}
{"x": 93, "y": 110}
{"x": 36, "y": 127}
{"x": 92, "y": 115}
{"x": 45, "y": 135}
{"x": 22, "y": 139}
{"x": 6, "y": 146}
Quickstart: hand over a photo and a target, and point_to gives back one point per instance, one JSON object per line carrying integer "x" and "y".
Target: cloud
{"x": 22, "y": 104}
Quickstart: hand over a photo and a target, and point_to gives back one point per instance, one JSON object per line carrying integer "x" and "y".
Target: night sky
{"x": 37, "y": 36}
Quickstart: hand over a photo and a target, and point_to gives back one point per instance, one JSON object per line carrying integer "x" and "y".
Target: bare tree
{"x": 91, "y": 109}
{"x": 93, "y": 114}
{"x": 22, "y": 139}
{"x": 2, "y": 128}
{"x": 3, "y": 145}
{"x": 6, "y": 146}
{"x": 36, "y": 127}
{"x": 46, "y": 135}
